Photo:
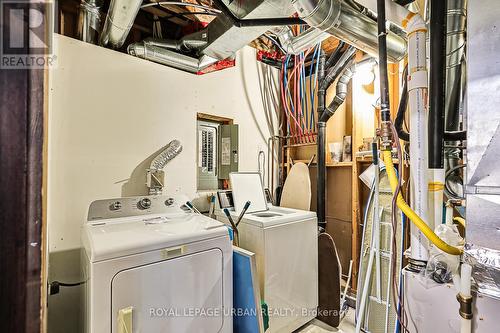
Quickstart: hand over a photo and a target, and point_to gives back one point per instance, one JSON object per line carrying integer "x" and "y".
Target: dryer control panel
{"x": 137, "y": 206}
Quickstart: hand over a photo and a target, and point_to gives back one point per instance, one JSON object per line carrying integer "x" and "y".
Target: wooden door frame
{"x": 22, "y": 246}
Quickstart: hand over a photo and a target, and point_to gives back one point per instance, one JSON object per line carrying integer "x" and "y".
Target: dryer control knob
{"x": 169, "y": 202}
{"x": 115, "y": 205}
{"x": 144, "y": 203}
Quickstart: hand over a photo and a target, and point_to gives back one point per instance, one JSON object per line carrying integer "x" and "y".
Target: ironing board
{"x": 297, "y": 189}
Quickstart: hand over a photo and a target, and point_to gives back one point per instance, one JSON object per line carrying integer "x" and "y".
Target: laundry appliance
{"x": 153, "y": 265}
{"x": 285, "y": 243}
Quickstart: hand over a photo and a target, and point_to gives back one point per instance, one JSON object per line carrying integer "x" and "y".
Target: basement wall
{"x": 109, "y": 113}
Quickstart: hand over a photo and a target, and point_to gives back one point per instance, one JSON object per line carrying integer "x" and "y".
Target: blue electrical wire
{"x": 289, "y": 95}
{"x": 303, "y": 90}
{"x": 284, "y": 88}
{"x": 286, "y": 85}
{"x": 304, "y": 85}
{"x": 313, "y": 90}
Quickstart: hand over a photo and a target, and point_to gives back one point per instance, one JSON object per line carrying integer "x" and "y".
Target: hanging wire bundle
{"x": 298, "y": 97}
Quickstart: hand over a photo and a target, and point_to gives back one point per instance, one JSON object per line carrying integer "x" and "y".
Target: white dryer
{"x": 285, "y": 243}
{"x": 152, "y": 265}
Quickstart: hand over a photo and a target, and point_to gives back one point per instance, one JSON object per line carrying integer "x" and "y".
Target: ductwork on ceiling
{"x": 296, "y": 44}
{"x": 119, "y": 21}
{"x": 222, "y": 37}
{"x": 219, "y": 40}
{"x": 344, "y": 22}
{"x": 170, "y": 58}
{"x": 89, "y": 20}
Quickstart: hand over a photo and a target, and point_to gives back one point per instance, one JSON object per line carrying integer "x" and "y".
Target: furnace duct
{"x": 170, "y": 58}
{"x": 89, "y": 20}
{"x": 222, "y": 38}
{"x": 342, "y": 21}
{"x": 219, "y": 40}
{"x": 297, "y": 44}
{"x": 119, "y": 21}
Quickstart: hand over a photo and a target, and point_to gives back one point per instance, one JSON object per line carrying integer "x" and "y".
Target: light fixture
{"x": 364, "y": 71}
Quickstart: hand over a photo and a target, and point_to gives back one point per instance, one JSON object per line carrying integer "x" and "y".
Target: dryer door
{"x": 183, "y": 294}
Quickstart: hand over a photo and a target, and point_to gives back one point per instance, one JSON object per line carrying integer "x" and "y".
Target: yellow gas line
{"x": 414, "y": 218}
{"x": 460, "y": 221}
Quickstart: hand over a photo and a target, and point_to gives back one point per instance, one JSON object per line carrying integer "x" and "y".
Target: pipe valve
{"x": 386, "y": 136}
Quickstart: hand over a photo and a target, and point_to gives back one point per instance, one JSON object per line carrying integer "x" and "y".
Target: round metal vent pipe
{"x": 342, "y": 21}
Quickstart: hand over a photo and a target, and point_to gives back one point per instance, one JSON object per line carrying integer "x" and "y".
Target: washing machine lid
{"x": 276, "y": 216}
{"x": 113, "y": 238}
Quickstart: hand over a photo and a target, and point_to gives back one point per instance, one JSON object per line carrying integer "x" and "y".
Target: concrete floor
{"x": 347, "y": 325}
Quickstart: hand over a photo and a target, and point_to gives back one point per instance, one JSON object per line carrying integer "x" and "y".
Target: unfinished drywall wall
{"x": 108, "y": 114}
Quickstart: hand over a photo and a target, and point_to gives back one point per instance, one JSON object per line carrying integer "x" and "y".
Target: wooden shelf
{"x": 329, "y": 165}
{"x": 369, "y": 159}
{"x": 300, "y": 145}
{"x": 339, "y": 165}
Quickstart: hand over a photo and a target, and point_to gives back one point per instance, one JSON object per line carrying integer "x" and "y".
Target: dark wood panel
{"x": 339, "y": 189}
{"x": 341, "y": 232}
{"x": 21, "y": 154}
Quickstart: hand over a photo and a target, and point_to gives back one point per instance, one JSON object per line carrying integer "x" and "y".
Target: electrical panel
{"x": 207, "y": 155}
{"x": 217, "y": 153}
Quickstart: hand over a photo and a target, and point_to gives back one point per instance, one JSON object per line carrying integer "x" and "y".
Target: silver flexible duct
{"x": 171, "y": 150}
{"x": 189, "y": 43}
{"x": 155, "y": 176}
{"x": 170, "y": 58}
{"x": 342, "y": 21}
{"x": 89, "y": 20}
{"x": 296, "y": 44}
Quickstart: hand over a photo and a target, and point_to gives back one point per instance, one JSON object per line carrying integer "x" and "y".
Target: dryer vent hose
{"x": 171, "y": 150}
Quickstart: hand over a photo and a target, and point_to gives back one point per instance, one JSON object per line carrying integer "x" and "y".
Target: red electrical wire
{"x": 298, "y": 106}
{"x": 293, "y": 129}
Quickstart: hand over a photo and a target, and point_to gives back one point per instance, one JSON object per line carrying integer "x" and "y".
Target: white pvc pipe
{"x": 417, "y": 91}
{"x": 418, "y": 84}
{"x": 465, "y": 283}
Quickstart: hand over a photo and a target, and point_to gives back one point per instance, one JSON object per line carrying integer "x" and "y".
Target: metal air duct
{"x": 296, "y": 44}
{"x": 225, "y": 38}
{"x": 120, "y": 18}
{"x": 455, "y": 52}
{"x": 170, "y": 58}
{"x": 219, "y": 40}
{"x": 342, "y": 21}
{"x": 89, "y": 20}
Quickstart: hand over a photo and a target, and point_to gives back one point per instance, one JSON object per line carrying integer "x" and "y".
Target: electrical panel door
{"x": 228, "y": 156}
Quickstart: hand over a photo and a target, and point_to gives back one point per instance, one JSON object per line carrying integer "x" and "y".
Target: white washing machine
{"x": 152, "y": 265}
{"x": 285, "y": 242}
